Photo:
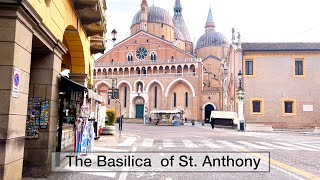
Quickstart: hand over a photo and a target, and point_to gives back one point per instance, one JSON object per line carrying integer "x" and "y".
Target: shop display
{"x": 44, "y": 115}
{"x": 37, "y": 117}
{"x": 33, "y": 118}
{"x": 84, "y": 132}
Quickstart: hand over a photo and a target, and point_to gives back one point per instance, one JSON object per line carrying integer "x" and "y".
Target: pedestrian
{"x": 150, "y": 119}
{"x": 212, "y": 122}
{"x": 185, "y": 119}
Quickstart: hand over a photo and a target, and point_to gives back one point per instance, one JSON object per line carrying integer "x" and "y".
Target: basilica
{"x": 158, "y": 67}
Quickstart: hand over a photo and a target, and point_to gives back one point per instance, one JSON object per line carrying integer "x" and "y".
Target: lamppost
{"x": 115, "y": 95}
{"x": 224, "y": 68}
{"x": 113, "y": 33}
{"x": 240, "y": 93}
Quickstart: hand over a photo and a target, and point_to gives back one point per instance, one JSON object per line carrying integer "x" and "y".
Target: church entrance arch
{"x": 138, "y": 104}
{"x": 207, "y": 111}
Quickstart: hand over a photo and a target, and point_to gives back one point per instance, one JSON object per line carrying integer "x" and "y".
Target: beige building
{"x": 281, "y": 84}
{"x": 38, "y": 40}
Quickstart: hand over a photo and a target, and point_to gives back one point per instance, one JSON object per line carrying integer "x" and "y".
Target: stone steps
{"x": 133, "y": 120}
{"x": 259, "y": 128}
{"x": 317, "y": 130}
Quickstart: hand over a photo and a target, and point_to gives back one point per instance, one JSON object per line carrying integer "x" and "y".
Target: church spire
{"x": 210, "y": 26}
{"x": 144, "y": 15}
{"x": 177, "y": 7}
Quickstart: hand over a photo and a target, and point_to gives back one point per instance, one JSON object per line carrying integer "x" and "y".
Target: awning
{"x": 67, "y": 85}
{"x": 165, "y": 112}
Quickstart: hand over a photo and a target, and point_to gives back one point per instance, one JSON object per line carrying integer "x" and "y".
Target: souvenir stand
{"x": 167, "y": 117}
{"x": 75, "y": 131}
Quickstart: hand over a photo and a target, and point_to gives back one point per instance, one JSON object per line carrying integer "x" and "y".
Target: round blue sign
{"x": 16, "y": 79}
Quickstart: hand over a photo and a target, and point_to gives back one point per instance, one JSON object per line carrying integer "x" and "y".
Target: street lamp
{"x": 240, "y": 93}
{"x": 113, "y": 33}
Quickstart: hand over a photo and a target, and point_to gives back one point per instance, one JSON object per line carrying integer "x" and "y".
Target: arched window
{"x": 153, "y": 57}
{"x": 187, "y": 100}
{"x": 174, "y": 99}
{"x": 155, "y": 96}
{"x": 125, "y": 96}
{"x": 144, "y": 70}
{"x": 130, "y": 59}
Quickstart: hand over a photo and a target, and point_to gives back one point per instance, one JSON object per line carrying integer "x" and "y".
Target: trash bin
{"x": 241, "y": 125}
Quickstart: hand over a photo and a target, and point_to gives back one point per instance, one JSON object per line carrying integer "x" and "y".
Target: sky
{"x": 256, "y": 20}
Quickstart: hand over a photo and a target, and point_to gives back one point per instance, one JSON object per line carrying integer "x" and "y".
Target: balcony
{"x": 147, "y": 62}
{"x": 91, "y": 14}
{"x": 144, "y": 76}
{"x": 97, "y": 44}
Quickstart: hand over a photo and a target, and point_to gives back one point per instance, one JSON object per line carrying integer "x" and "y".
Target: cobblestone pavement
{"x": 293, "y": 156}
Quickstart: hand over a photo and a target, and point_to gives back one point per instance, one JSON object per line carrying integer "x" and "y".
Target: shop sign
{"x": 110, "y": 94}
{"x": 15, "y": 82}
{"x": 308, "y": 108}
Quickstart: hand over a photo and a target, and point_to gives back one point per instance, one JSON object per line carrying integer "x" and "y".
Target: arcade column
{"x": 15, "y": 50}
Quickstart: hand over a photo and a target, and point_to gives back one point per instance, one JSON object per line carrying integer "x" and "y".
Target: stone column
{"x": 15, "y": 50}
{"x": 44, "y": 84}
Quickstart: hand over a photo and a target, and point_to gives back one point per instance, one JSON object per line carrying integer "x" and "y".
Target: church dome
{"x": 155, "y": 15}
{"x": 210, "y": 39}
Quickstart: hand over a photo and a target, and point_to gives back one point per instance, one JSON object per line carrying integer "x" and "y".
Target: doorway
{"x": 139, "y": 110}
{"x": 207, "y": 112}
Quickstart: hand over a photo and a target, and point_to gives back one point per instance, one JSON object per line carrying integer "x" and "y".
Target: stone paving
{"x": 294, "y": 156}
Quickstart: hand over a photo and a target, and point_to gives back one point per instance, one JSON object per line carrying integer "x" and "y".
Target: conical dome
{"x": 178, "y": 21}
{"x": 211, "y": 37}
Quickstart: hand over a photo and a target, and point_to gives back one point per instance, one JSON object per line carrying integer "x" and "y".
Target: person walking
{"x": 212, "y": 122}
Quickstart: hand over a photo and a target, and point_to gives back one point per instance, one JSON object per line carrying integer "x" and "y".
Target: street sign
{"x": 116, "y": 93}
{"x": 15, "y": 82}
{"x": 110, "y": 94}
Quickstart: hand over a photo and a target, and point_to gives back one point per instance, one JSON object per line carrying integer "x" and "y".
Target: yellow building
{"x": 38, "y": 40}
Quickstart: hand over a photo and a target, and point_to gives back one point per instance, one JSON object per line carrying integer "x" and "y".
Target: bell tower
{"x": 144, "y": 15}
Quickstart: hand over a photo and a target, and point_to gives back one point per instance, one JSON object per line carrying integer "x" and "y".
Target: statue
{"x": 233, "y": 35}
{"x": 139, "y": 88}
{"x": 239, "y": 40}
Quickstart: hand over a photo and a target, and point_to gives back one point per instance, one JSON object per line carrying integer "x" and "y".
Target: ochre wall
{"x": 57, "y": 16}
{"x": 274, "y": 81}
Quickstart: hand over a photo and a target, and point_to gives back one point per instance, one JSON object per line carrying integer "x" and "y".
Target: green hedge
{"x": 111, "y": 117}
